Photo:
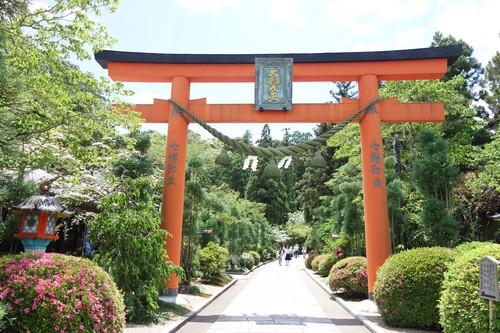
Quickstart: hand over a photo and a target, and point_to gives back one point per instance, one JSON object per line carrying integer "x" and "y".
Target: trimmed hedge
{"x": 408, "y": 287}
{"x": 460, "y": 308}
{"x": 213, "y": 260}
{"x": 309, "y": 259}
{"x": 317, "y": 261}
{"x": 350, "y": 276}
{"x": 326, "y": 265}
{"x": 247, "y": 263}
{"x": 256, "y": 257}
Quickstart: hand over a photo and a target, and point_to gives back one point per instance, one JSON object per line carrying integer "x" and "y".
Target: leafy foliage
{"x": 130, "y": 246}
{"x": 438, "y": 225}
{"x": 347, "y": 205}
{"x": 61, "y": 117}
{"x": 269, "y": 191}
{"x": 350, "y": 276}
{"x": 213, "y": 259}
{"x": 325, "y": 265}
{"x": 492, "y": 83}
{"x": 53, "y": 291}
{"x": 408, "y": 287}
{"x": 461, "y": 310}
{"x": 12, "y": 192}
{"x": 3, "y": 316}
{"x": 256, "y": 257}
{"x": 310, "y": 259}
{"x": 317, "y": 261}
{"x": 466, "y": 65}
{"x": 248, "y": 263}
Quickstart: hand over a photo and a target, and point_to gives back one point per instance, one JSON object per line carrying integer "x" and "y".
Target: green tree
{"x": 64, "y": 117}
{"x": 492, "y": 84}
{"x": 130, "y": 246}
{"x": 311, "y": 186}
{"x": 395, "y": 198}
{"x": 346, "y": 205}
{"x": 194, "y": 196}
{"x": 434, "y": 176}
{"x": 466, "y": 65}
{"x": 270, "y": 191}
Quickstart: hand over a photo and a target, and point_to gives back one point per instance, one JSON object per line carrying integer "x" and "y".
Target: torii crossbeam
{"x": 367, "y": 68}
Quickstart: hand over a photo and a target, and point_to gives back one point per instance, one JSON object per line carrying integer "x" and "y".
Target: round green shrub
{"x": 468, "y": 247}
{"x": 350, "y": 276}
{"x": 408, "y": 287}
{"x": 256, "y": 257}
{"x": 56, "y": 293}
{"x": 247, "y": 263}
{"x": 316, "y": 261}
{"x": 213, "y": 258}
{"x": 461, "y": 309}
{"x": 326, "y": 264}
{"x": 266, "y": 252}
{"x": 309, "y": 260}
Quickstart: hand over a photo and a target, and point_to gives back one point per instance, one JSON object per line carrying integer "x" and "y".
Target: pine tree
{"x": 434, "y": 176}
{"x": 269, "y": 191}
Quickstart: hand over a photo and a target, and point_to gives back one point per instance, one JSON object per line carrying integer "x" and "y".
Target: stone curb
{"x": 368, "y": 324}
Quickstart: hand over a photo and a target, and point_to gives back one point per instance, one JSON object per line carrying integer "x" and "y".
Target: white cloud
{"x": 356, "y": 12}
{"x": 208, "y": 6}
{"x": 287, "y": 11}
{"x": 400, "y": 10}
{"x": 410, "y": 38}
{"x": 474, "y": 22}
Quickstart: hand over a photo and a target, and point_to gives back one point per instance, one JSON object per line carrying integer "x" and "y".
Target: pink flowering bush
{"x": 350, "y": 276}
{"x": 316, "y": 261}
{"x": 339, "y": 253}
{"x": 309, "y": 260}
{"x": 59, "y": 293}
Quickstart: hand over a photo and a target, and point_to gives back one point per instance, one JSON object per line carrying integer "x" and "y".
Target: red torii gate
{"x": 367, "y": 68}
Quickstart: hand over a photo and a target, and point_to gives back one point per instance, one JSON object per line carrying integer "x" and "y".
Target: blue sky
{"x": 289, "y": 26}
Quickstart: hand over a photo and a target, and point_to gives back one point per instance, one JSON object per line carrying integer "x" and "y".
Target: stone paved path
{"x": 277, "y": 299}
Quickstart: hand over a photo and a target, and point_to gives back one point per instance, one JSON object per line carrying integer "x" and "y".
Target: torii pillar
{"x": 367, "y": 68}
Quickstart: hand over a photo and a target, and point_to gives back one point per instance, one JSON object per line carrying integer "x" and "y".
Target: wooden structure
{"x": 367, "y": 68}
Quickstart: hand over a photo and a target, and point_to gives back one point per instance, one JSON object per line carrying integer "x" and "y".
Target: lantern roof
{"x": 42, "y": 202}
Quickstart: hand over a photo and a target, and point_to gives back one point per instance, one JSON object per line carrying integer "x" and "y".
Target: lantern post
{"x": 39, "y": 214}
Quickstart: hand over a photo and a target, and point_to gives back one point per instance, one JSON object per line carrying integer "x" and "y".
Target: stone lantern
{"x": 39, "y": 214}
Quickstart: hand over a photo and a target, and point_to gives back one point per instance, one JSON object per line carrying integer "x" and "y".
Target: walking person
{"x": 288, "y": 255}
{"x": 279, "y": 255}
{"x": 296, "y": 251}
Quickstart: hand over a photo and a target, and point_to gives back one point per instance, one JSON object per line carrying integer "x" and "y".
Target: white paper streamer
{"x": 251, "y": 161}
{"x": 285, "y": 162}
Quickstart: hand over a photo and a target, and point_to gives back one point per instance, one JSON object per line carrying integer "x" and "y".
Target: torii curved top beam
{"x": 413, "y": 64}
